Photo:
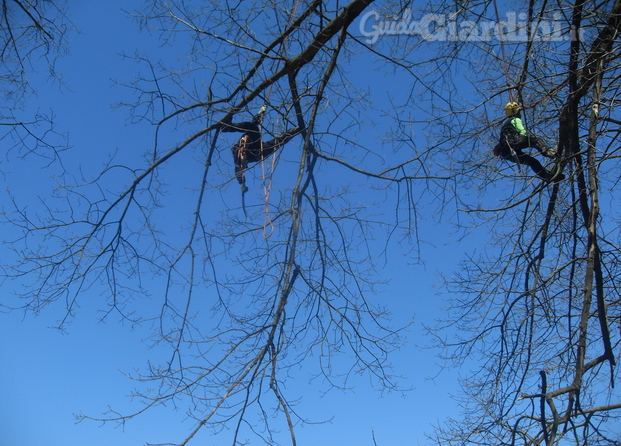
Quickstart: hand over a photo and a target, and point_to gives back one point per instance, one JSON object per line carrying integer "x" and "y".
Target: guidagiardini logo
{"x": 447, "y": 28}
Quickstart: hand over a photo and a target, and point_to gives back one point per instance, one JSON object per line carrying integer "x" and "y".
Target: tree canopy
{"x": 244, "y": 295}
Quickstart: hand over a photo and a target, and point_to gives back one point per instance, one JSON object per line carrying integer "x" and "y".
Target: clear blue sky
{"x": 47, "y": 376}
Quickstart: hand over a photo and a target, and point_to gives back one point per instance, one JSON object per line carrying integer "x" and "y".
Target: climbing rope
{"x": 267, "y": 221}
{"x": 505, "y": 64}
{"x": 268, "y": 224}
{"x": 241, "y": 155}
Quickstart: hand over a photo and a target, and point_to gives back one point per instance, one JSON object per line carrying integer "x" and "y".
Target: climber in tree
{"x": 514, "y": 138}
{"x": 251, "y": 148}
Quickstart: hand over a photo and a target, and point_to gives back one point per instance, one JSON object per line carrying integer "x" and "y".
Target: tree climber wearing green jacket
{"x": 514, "y": 138}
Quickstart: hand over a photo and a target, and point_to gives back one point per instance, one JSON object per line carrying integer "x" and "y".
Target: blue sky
{"x": 47, "y": 376}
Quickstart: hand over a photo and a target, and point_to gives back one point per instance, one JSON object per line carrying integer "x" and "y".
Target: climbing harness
{"x": 241, "y": 156}
{"x": 243, "y": 164}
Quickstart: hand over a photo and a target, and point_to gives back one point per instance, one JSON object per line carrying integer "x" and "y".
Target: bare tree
{"x": 244, "y": 301}
{"x": 535, "y": 313}
{"x": 33, "y": 34}
{"x": 241, "y": 302}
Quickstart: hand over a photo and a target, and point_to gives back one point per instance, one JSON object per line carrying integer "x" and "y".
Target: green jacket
{"x": 518, "y": 125}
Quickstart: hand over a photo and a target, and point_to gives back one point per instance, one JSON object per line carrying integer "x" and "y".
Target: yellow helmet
{"x": 512, "y": 108}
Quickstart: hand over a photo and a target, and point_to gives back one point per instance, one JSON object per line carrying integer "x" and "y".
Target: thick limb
{"x": 230, "y": 127}
{"x": 269, "y": 147}
{"x": 251, "y": 128}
